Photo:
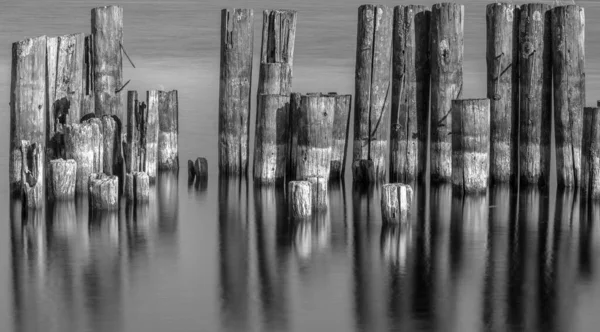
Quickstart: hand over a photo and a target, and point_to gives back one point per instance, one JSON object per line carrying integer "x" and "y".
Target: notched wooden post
{"x": 32, "y": 175}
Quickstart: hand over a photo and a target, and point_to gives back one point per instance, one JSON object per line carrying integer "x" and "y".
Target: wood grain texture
{"x": 319, "y": 187}
{"x": 112, "y": 146}
{"x": 62, "y": 179}
{"x": 447, "y": 50}
{"x": 82, "y": 146}
{"x": 32, "y": 175}
{"x": 502, "y": 55}
{"x": 590, "y": 158}
{"x": 141, "y": 187}
{"x": 272, "y": 138}
{"x": 237, "y": 40}
{"x": 168, "y": 132}
{"x": 373, "y": 87}
{"x": 396, "y": 203}
{"x": 341, "y": 129}
{"x": 409, "y": 125}
{"x": 535, "y": 83}
{"x": 278, "y": 37}
{"x": 103, "y": 192}
{"x": 568, "y": 63}
{"x": 153, "y": 100}
{"x": 300, "y": 199}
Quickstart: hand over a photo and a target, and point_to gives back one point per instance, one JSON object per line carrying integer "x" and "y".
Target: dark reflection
{"x": 167, "y": 199}
{"x": 338, "y": 212}
{"x": 234, "y": 253}
{"x": 585, "y": 265}
{"x": 312, "y": 237}
{"x": 271, "y": 226}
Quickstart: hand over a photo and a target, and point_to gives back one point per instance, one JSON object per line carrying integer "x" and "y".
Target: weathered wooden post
{"x": 191, "y": 171}
{"x": 410, "y": 93}
{"x": 151, "y": 132}
{"x": 396, "y": 202}
{"x": 373, "y": 86}
{"x": 314, "y": 129}
{"x": 319, "y": 192}
{"x": 141, "y": 184}
{"x": 135, "y": 150}
{"x": 62, "y": 179}
{"x": 363, "y": 172}
{"x": 535, "y": 86}
{"x": 447, "y": 48}
{"x": 270, "y": 150}
{"x": 590, "y": 158}
{"x": 81, "y": 145}
{"x": 112, "y": 145}
{"x": 502, "y": 21}
{"x": 32, "y": 174}
{"x": 277, "y": 52}
{"x": 568, "y": 62}
{"x": 341, "y": 127}
{"x": 168, "y": 132}
{"x": 88, "y": 99}
{"x": 129, "y": 187}
{"x": 103, "y": 191}
{"x": 237, "y": 40}
{"x": 107, "y": 32}
{"x": 300, "y": 199}
{"x": 201, "y": 168}
{"x": 27, "y": 102}
{"x": 470, "y": 144}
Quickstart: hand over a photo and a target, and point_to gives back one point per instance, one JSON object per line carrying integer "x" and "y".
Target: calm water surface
{"x": 221, "y": 256}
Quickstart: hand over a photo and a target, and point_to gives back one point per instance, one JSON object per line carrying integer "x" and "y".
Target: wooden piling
{"x": 341, "y": 127}
{"x": 32, "y": 174}
{"x": 372, "y": 86}
{"x": 141, "y": 184}
{"x": 470, "y": 144}
{"x": 27, "y": 102}
{"x": 107, "y": 31}
{"x": 300, "y": 199}
{"x": 590, "y": 158}
{"x": 535, "y": 86}
{"x": 88, "y": 99}
{"x": 502, "y": 22}
{"x": 128, "y": 187}
{"x": 201, "y": 168}
{"x": 237, "y": 40}
{"x": 191, "y": 171}
{"x": 151, "y": 132}
{"x": 62, "y": 179}
{"x": 112, "y": 145}
{"x": 568, "y": 62}
{"x": 103, "y": 192}
{"x": 396, "y": 202}
{"x": 168, "y": 132}
{"x": 135, "y": 149}
{"x": 447, "y": 49}
{"x": 320, "y": 199}
{"x": 363, "y": 172}
{"x": 314, "y": 127}
{"x": 82, "y": 145}
{"x": 271, "y": 140}
{"x": 278, "y": 37}
{"x": 410, "y": 93}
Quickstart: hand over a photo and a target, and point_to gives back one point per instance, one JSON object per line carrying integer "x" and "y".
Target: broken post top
{"x": 278, "y": 36}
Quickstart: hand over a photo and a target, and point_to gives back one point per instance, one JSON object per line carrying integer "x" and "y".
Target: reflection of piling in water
{"x": 168, "y": 202}
{"x": 312, "y": 236}
{"x": 300, "y": 199}
{"x": 394, "y": 244}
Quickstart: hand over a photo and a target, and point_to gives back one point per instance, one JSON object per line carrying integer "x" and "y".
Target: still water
{"x": 221, "y": 256}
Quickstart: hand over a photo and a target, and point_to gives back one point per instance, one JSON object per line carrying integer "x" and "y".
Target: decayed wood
{"x": 503, "y": 89}
{"x": 27, "y": 102}
{"x": 153, "y": 98}
{"x": 237, "y": 40}
{"x": 320, "y": 199}
{"x": 141, "y": 184}
{"x": 278, "y": 37}
{"x": 396, "y": 202}
{"x": 294, "y": 111}
{"x": 97, "y": 143}
{"x": 590, "y": 158}
{"x": 62, "y": 179}
{"x": 201, "y": 168}
{"x": 341, "y": 127}
{"x": 447, "y": 48}
{"x": 314, "y": 126}
{"x": 83, "y": 143}
{"x": 275, "y": 79}
{"x": 135, "y": 149}
{"x": 107, "y": 31}
{"x": 128, "y": 187}
{"x": 363, "y": 172}
{"x": 470, "y": 144}
{"x": 535, "y": 86}
{"x": 410, "y": 93}
{"x": 32, "y": 174}
{"x": 88, "y": 99}
{"x": 300, "y": 199}
{"x": 112, "y": 145}
{"x": 270, "y": 150}
{"x": 168, "y": 132}
{"x": 568, "y": 62}
{"x": 103, "y": 192}
{"x": 191, "y": 171}
{"x": 373, "y": 86}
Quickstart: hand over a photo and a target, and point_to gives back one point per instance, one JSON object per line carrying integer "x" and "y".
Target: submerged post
{"x": 503, "y": 89}
{"x": 103, "y": 191}
{"x": 168, "y": 123}
{"x": 107, "y": 32}
{"x": 270, "y": 149}
{"x": 32, "y": 174}
{"x": 410, "y": 93}
{"x": 27, "y": 102}
{"x": 300, "y": 199}
{"x": 568, "y": 62}
{"x": 590, "y": 158}
{"x": 83, "y": 144}
{"x": 535, "y": 109}
{"x": 237, "y": 40}
{"x": 396, "y": 202}
{"x": 470, "y": 144}
{"x": 150, "y": 137}
{"x": 320, "y": 199}
{"x": 141, "y": 184}
{"x": 447, "y": 47}
{"x": 341, "y": 127}
{"x": 373, "y": 86}
{"x": 62, "y": 179}
{"x": 201, "y": 168}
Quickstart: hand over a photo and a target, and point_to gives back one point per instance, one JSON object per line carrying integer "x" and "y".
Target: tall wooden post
{"x": 237, "y": 40}
{"x": 168, "y": 132}
{"x": 112, "y": 146}
{"x": 153, "y": 98}
{"x": 135, "y": 150}
{"x": 107, "y": 31}
{"x": 470, "y": 144}
{"x": 590, "y": 158}
{"x": 568, "y": 62}
{"x": 341, "y": 127}
{"x": 447, "y": 48}
{"x": 373, "y": 86}
{"x": 277, "y": 48}
{"x": 410, "y": 93}
{"x": 503, "y": 89}
{"x": 27, "y": 102}
{"x": 535, "y": 86}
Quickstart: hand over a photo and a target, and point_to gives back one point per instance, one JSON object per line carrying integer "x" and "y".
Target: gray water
{"x": 221, "y": 256}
